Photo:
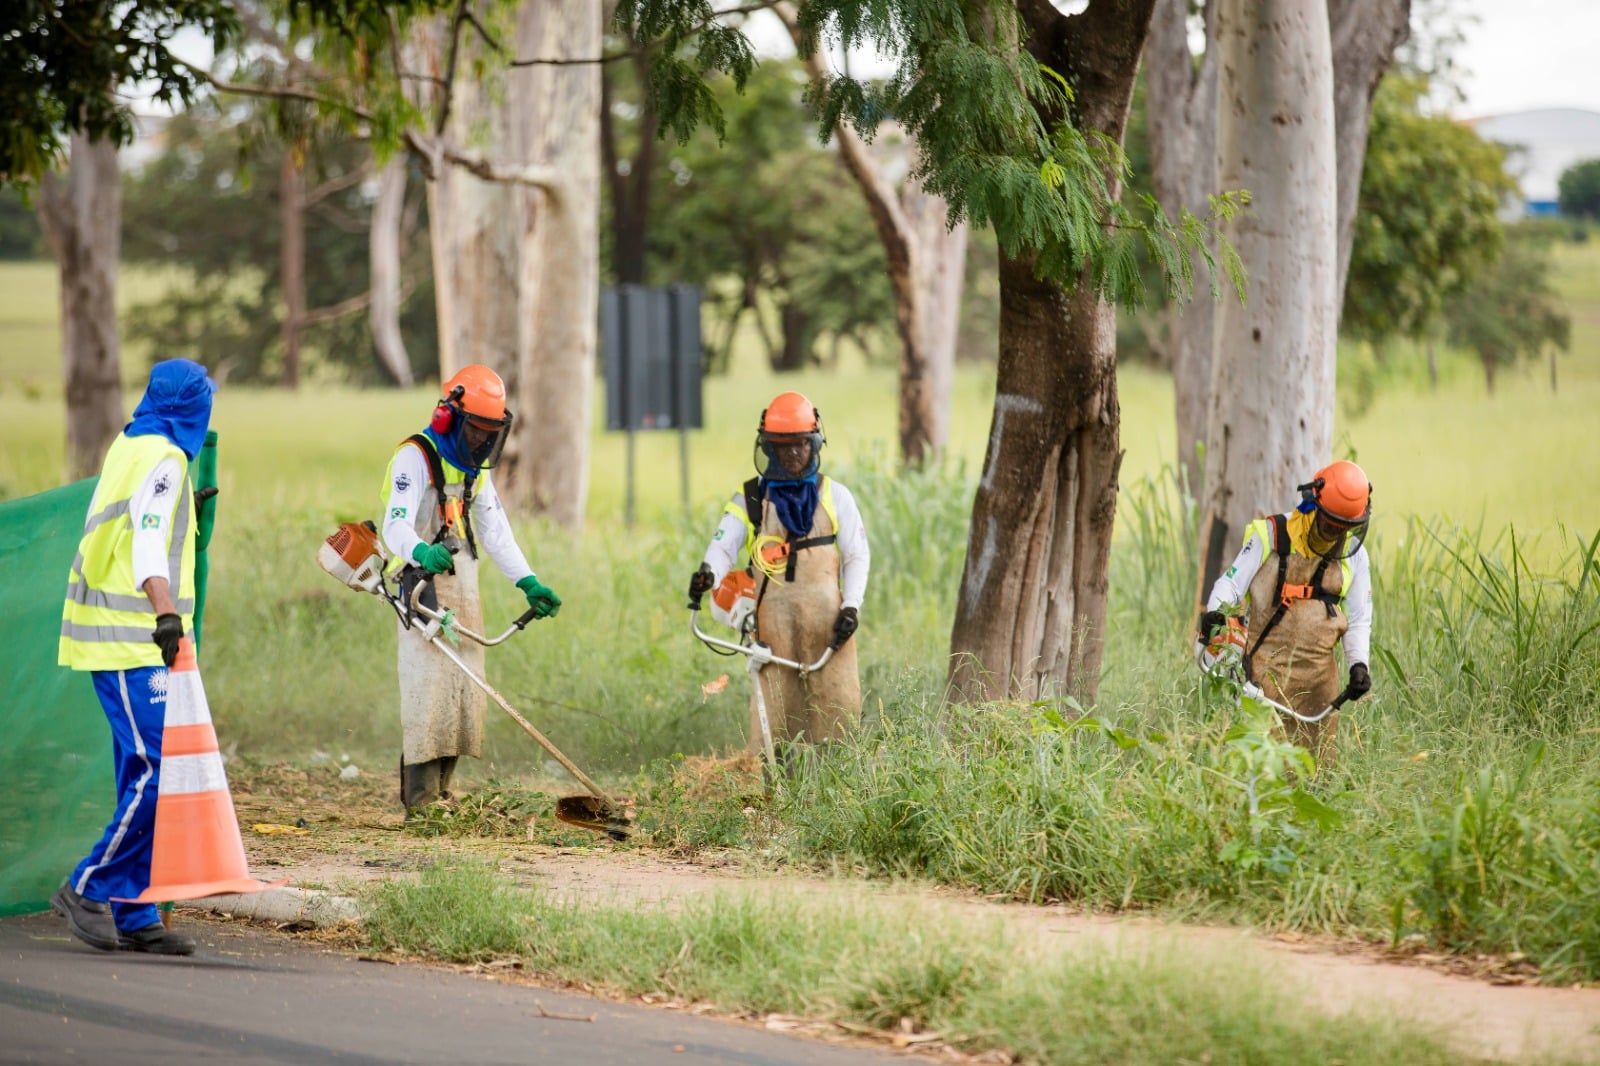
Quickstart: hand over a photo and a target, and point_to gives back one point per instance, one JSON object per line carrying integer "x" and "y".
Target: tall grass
{"x": 1462, "y": 805}
{"x": 882, "y": 964}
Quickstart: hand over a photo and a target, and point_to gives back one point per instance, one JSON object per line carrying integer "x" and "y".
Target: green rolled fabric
{"x": 205, "y": 477}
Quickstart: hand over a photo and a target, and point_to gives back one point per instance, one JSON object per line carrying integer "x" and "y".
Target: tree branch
{"x": 355, "y": 303}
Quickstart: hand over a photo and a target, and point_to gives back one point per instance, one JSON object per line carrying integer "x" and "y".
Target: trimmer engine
{"x": 354, "y": 556}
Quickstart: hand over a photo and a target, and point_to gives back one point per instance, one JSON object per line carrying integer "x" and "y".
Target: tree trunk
{"x": 1433, "y": 367}
{"x": 383, "y": 258}
{"x": 793, "y": 350}
{"x": 1271, "y": 422}
{"x": 928, "y": 358}
{"x": 473, "y": 224}
{"x": 292, "y": 262}
{"x": 926, "y": 262}
{"x": 557, "y": 132}
{"x": 82, "y": 220}
{"x": 1181, "y": 101}
{"x": 1489, "y": 368}
{"x": 629, "y": 180}
{"x": 1030, "y": 618}
{"x": 1365, "y": 35}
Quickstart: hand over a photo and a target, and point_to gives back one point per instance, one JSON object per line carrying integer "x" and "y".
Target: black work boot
{"x": 156, "y": 939}
{"x": 90, "y": 920}
{"x": 419, "y": 785}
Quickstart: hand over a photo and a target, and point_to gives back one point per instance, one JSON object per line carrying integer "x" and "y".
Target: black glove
{"x": 844, "y": 625}
{"x": 699, "y": 585}
{"x": 1210, "y": 622}
{"x": 1360, "y": 682}
{"x": 169, "y": 630}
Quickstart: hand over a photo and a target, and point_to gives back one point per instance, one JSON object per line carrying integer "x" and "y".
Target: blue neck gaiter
{"x": 451, "y": 451}
{"x": 795, "y": 502}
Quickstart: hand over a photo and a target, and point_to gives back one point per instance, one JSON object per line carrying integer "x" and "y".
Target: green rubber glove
{"x": 541, "y": 597}
{"x": 434, "y": 558}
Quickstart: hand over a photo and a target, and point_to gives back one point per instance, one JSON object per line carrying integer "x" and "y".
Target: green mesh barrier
{"x": 56, "y": 759}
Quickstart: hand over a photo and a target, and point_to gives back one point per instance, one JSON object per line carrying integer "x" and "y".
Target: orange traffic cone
{"x": 197, "y": 850}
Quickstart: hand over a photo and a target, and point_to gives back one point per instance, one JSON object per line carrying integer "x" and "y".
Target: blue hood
{"x": 175, "y": 405}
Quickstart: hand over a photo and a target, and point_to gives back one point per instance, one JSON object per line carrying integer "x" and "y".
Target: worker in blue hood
{"x": 130, "y": 600}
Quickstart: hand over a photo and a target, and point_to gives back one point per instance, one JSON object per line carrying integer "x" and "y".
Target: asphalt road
{"x": 251, "y": 997}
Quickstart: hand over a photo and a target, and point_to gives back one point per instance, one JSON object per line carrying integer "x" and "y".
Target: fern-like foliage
{"x": 993, "y": 127}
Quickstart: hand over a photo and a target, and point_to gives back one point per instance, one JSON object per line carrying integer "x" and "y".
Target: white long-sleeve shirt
{"x": 157, "y": 495}
{"x": 855, "y": 557}
{"x": 491, "y": 527}
{"x": 1234, "y": 584}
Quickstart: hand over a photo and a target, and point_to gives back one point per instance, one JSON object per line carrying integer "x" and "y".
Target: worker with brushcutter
{"x": 1301, "y": 585}
{"x": 130, "y": 600}
{"x": 806, "y": 564}
{"x": 441, "y": 510}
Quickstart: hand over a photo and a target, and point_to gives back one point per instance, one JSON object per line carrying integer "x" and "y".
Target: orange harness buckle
{"x": 1297, "y": 592}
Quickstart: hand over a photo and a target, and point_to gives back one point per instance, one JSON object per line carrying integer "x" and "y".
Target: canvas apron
{"x": 1295, "y": 665}
{"x": 796, "y": 619}
{"x": 441, "y": 711}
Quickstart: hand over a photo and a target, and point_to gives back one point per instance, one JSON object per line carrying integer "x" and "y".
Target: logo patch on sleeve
{"x": 150, "y": 521}
{"x": 402, "y": 482}
{"x": 717, "y": 535}
{"x": 1232, "y": 570}
{"x": 163, "y": 483}
{"x": 397, "y": 512}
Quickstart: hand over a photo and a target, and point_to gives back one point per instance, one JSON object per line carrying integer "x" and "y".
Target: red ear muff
{"x": 444, "y": 417}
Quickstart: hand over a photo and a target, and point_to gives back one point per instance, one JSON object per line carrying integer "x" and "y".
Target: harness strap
{"x": 447, "y": 513}
{"x": 1285, "y": 594}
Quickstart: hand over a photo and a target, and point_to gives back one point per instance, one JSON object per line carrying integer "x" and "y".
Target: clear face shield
{"x": 788, "y": 456}
{"x": 1332, "y": 537}
{"x": 483, "y": 439}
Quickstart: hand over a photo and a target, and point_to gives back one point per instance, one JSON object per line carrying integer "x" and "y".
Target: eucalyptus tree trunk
{"x": 1271, "y": 422}
{"x": 1365, "y": 35}
{"x": 556, "y": 136}
{"x": 383, "y": 265}
{"x": 1181, "y": 100}
{"x": 473, "y": 222}
{"x": 81, "y": 216}
{"x": 1030, "y": 618}
{"x": 926, "y": 261}
{"x": 291, "y": 262}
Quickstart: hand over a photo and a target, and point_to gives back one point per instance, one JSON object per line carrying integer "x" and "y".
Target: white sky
{"x": 1530, "y": 53}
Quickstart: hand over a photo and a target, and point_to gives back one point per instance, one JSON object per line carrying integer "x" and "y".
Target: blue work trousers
{"x": 135, "y": 702}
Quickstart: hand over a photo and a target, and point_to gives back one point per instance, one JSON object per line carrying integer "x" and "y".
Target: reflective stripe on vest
{"x": 824, "y": 500}
{"x": 106, "y": 622}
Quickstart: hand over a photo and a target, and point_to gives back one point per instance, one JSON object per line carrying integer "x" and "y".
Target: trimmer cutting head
{"x": 592, "y": 812}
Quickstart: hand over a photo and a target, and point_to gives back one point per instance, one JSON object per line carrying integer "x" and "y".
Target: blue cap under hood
{"x": 176, "y": 405}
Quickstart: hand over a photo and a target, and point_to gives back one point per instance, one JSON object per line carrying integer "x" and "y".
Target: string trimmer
{"x": 356, "y": 558}
{"x": 1225, "y": 661}
{"x": 759, "y": 655}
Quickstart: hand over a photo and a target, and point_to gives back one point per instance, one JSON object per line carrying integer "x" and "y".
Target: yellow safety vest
{"x": 740, "y": 507}
{"x": 107, "y": 622}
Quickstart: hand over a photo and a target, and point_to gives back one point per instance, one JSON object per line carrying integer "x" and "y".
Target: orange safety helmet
{"x": 1341, "y": 497}
{"x": 472, "y": 413}
{"x": 788, "y": 420}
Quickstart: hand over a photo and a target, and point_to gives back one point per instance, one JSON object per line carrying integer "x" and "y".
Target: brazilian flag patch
{"x": 150, "y": 521}
{"x": 397, "y": 512}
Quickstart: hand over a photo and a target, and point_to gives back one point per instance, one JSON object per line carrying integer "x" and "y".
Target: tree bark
{"x": 1181, "y": 101}
{"x": 1271, "y": 422}
{"x": 81, "y": 216}
{"x": 1030, "y": 618}
{"x": 925, "y": 260}
{"x": 557, "y": 132}
{"x": 292, "y": 262}
{"x": 473, "y": 222}
{"x": 1365, "y": 35}
{"x": 383, "y": 265}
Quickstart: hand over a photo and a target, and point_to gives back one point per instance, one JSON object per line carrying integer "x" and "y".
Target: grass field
{"x": 1464, "y": 799}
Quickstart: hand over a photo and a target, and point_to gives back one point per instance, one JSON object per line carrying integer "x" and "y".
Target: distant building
{"x": 1543, "y": 142}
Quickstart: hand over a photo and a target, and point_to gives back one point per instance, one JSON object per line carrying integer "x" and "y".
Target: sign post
{"x": 651, "y": 346}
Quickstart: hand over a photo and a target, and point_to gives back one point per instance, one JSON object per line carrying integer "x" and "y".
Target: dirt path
{"x": 1485, "y": 1007}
